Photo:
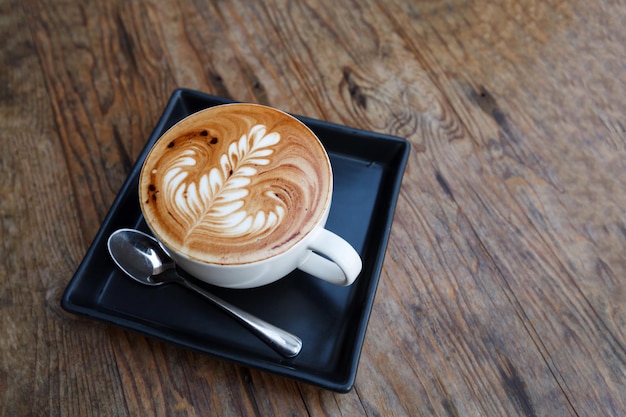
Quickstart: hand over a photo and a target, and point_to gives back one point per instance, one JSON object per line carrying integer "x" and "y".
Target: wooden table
{"x": 503, "y": 290}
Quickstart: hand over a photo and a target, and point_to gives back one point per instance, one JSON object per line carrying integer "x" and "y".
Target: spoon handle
{"x": 281, "y": 341}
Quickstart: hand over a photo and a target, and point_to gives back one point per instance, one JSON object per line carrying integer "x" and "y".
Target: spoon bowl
{"x": 141, "y": 257}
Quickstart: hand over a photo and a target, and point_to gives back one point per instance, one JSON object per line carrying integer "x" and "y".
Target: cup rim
{"x": 318, "y": 222}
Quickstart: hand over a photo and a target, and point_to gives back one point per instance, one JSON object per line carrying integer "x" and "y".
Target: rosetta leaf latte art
{"x": 216, "y": 201}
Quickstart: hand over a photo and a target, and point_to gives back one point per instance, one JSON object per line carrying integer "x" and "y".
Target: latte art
{"x": 235, "y": 187}
{"x": 216, "y": 202}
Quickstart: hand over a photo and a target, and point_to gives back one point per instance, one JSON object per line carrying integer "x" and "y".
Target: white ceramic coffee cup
{"x": 320, "y": 252}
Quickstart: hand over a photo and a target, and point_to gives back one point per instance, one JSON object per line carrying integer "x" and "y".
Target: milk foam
{"x": 235, "y": 187}
{"x": 217, "y": 202}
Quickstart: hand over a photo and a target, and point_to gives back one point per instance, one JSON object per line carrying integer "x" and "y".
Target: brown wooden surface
{"x": 504, "y": 286}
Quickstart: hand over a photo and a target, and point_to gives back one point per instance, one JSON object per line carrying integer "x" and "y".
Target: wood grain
{"x": 503, "y": 290}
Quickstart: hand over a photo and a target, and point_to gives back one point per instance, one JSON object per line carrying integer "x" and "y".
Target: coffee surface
{"x": 235, "y": 184}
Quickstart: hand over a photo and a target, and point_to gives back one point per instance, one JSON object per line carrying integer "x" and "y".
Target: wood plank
{"x": 43, "y": 365}
{"x": 534, "y": 199}
{"x": 503, "y": 287}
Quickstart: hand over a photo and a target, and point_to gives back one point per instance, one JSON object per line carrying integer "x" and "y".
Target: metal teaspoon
{"x": 141, "y": 257}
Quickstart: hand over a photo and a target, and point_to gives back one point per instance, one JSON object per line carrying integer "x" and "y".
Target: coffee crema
{"x": 235, "y": 184}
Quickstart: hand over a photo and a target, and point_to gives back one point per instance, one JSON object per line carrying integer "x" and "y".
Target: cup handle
{"x": 332, "y": 259}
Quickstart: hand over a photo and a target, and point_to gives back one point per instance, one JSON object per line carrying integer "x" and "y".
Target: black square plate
{"x": 330, "y": 320}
